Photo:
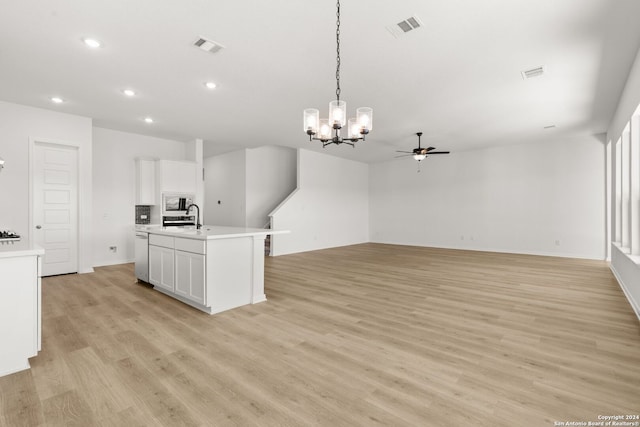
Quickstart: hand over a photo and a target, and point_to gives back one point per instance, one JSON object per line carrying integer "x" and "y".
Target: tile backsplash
{"x": 143, "y": 214}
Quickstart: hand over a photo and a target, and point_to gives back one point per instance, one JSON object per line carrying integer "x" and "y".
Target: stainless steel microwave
{"x": 174, "y": 203}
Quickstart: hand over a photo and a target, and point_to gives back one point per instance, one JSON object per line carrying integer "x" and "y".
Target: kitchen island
{"x": 20, "y": 304}
{"x": 213, "y": 269}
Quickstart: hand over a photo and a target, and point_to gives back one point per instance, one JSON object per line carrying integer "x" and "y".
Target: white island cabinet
{"x": 213, "y": 269}
{"x": 20, "y": 304}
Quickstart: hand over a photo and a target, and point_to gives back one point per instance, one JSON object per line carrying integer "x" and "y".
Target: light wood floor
{"x": 357, "y": 336}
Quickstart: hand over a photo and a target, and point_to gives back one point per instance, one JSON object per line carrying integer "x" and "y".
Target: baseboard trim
{"x": 634, "y": 304}
{"x": 498, "y": 250}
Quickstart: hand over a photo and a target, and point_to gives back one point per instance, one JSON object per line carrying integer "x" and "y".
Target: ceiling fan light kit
{"x": 328, "y": 130}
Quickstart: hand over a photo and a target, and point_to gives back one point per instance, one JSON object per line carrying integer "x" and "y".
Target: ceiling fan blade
{"x": 430, "y": 148}
{"x": 437, "y": 152}
{"x": 398, "y": 151}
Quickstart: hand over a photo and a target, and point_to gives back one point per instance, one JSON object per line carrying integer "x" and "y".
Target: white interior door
{"x": 55, "y": 206}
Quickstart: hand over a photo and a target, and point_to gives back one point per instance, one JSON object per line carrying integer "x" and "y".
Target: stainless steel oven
{"x": 178, "y": 221}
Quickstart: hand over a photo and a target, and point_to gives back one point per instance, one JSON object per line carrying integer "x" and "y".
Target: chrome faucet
{"x": 198, "y": 225}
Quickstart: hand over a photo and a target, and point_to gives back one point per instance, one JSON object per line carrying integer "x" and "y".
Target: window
{"x": 626, "y": 173}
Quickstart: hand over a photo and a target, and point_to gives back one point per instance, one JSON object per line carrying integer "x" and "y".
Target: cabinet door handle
{"x": 38, "y": 227}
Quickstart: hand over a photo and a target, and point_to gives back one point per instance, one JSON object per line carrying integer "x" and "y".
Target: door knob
{"x": 38, "y": 227}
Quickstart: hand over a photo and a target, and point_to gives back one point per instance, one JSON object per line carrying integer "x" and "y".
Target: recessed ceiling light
{"x": 57, "y": 100}
{"x": 129, "y": 92}
{"x": 92, "y": 43}
{"x": 210, "y": 85}
{"x": 148, "y": 120}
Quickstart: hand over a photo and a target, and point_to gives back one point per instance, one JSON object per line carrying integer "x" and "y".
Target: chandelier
{"x": 328, "y": 130}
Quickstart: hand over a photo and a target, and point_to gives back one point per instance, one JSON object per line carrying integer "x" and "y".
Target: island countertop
{"x": 9, "y": 249}
{"x": 211, "y": 232}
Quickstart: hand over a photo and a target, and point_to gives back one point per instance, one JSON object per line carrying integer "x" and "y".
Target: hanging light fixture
{"x": 328, "y": 130}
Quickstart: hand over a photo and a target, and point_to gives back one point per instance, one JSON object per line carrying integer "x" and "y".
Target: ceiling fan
{"x": 420, "y": 153}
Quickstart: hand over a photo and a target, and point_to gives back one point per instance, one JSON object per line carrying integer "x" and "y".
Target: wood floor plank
{"x": 20, "y": 404}
{"x": 362, "y": 335}
{"x": 68, "y": 409}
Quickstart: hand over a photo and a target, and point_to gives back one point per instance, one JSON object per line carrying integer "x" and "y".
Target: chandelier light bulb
{"x": 311, "y": 121}
{"x": 325, "y": 129}
{"x": 365, "y": 117}
{"x": 337, "y": 113}
{"x": 354, "y": 129}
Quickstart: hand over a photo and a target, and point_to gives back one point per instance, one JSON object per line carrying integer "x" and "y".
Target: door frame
{"x": 83, "y": 169}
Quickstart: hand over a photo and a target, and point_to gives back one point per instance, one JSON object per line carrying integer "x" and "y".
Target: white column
{"x": 634, "y": 209}
{"x": 626, "y": 181}
{"x": 257, "y": 281}
{"x": 617, "y": 173}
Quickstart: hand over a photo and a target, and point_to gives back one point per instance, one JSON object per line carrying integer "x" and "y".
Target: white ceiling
{"x": 457, "y": 78}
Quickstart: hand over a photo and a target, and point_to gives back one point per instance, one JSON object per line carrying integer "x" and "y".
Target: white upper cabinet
{"x": 146, "y": 182}
{"x": 176, "y": 176}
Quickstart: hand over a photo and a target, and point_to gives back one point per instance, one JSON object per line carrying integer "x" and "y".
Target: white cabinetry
{"x": 20, "y": 311}
{"x": 162, "y": 262}
{"x": 176, "y": 176}
{"x": 177, "y": 266}
{"x": 145, "y": 182}
{"x": 190, "y": 276}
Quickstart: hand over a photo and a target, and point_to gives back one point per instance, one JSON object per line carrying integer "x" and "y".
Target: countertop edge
{"x": 192, "y": 234}
{"x": 32, "y": 251}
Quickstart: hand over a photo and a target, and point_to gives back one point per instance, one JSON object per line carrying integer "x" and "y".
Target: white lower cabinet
{"x": 190, "y": 276}
{"x": 162, "y": 267}
{"x": 20, "y": 311}
{"x": 177, "y": 266}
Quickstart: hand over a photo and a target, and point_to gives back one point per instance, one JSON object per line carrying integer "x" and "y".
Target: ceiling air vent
{"x": 403, "y": 27}
{"x": 208, "y": 45}
{"x": 534, "y": 72}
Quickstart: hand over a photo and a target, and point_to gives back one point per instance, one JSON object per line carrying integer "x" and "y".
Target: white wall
{"x": 329, "y": 208}
{"x": 271, "y": 177}
{"x": 520, "y": 198}
{"x": 225, "y": 181}
{"x": 195, "y": 152}
{"x": 248, "y": 183}
{"x": 20, "y": 126}
{"x": 114, "y": 181}
{"x": 626, "y": 268}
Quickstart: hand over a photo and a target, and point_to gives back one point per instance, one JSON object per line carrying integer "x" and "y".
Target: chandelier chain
{"x": 338, "y": 52}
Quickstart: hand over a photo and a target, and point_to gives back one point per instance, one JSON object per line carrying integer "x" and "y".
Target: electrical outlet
{"x": 113, "y": 249}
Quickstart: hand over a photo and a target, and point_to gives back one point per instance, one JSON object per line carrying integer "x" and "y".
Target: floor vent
{"x": 403, "y": 27}
{"x": 534, "y": 72}
{"x": 208, "y": 45}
